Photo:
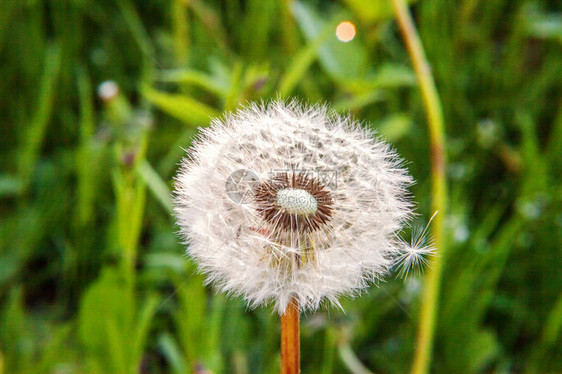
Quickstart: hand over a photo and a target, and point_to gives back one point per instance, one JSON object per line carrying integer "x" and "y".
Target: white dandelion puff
{"x": 282, "y": 201}
{"x": 415, "y": 255}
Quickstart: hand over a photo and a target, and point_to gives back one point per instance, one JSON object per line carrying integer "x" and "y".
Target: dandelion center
{"x": 297, "y": 201}
{"x": 294, "y": 202}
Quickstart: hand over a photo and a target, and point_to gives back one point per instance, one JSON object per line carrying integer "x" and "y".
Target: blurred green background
{"x": 92, "y": 277}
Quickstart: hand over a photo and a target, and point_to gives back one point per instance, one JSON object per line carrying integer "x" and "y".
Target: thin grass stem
{"x": 436, "y": 126}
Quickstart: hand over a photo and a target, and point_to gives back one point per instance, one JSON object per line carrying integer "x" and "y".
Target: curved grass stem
{"x": 436, "y": 126}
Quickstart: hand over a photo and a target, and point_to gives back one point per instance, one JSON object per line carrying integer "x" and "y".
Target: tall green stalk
{"x": 130, "y": 146}
{"x": 436, "y": 126}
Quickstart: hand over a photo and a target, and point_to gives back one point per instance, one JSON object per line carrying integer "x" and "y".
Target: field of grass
{"x": 93, "y": 278}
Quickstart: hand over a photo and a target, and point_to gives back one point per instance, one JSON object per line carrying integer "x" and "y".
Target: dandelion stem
{"x": 290, "y": 339}
{"x": 434, "y": 111}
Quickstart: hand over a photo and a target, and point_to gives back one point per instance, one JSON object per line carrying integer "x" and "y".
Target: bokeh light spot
{"x": 345, "y": 31}
{"x": 108, "y": 90}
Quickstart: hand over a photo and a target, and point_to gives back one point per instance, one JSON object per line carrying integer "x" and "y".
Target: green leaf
{"x": 142, "y": 329}
{"x": 171, "y": 351}
{"x": 370, "y": 11}
{"x": 553, "y": 325}
{"x": 386, "y": 76}
{"x": 166, "y": 261}
{"x": 156, "y": 185}
{"x": 359, "y": 101}
{"x": 35, "y": 133}
{"x": 184, "y": 108}
{"x": 190, "y": 318}
{"x": 482, "y": 349}
{"x": 302, "y": 62}
{"x": 105, "y": 320}
{"x": 197, "y": 79}
{"x": 395, "y": 126}
{"x": 110, "y": 326}
{"x": 15, "y": 337}
{"x": 212, "y": 344}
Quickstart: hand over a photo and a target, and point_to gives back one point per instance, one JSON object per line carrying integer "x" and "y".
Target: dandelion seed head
{"x": 320, "y": 204}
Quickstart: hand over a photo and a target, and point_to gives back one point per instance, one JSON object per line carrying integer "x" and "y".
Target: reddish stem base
{"x": 290, "y": 339}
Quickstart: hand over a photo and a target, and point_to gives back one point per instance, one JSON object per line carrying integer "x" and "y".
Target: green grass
{"x": 93, "y": 278}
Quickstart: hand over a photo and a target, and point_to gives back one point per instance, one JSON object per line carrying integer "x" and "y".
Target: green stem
{"x": 436, "y": 126}
{"x": 351, "y": 361}
{"x": 180, "y": 31}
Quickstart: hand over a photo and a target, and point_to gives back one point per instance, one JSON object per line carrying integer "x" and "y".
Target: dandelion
{"x": 292, "y": 205}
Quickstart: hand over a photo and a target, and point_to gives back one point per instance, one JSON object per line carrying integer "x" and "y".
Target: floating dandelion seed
{"x": 414, "y": 256}
{"x": 318, "y": 219}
